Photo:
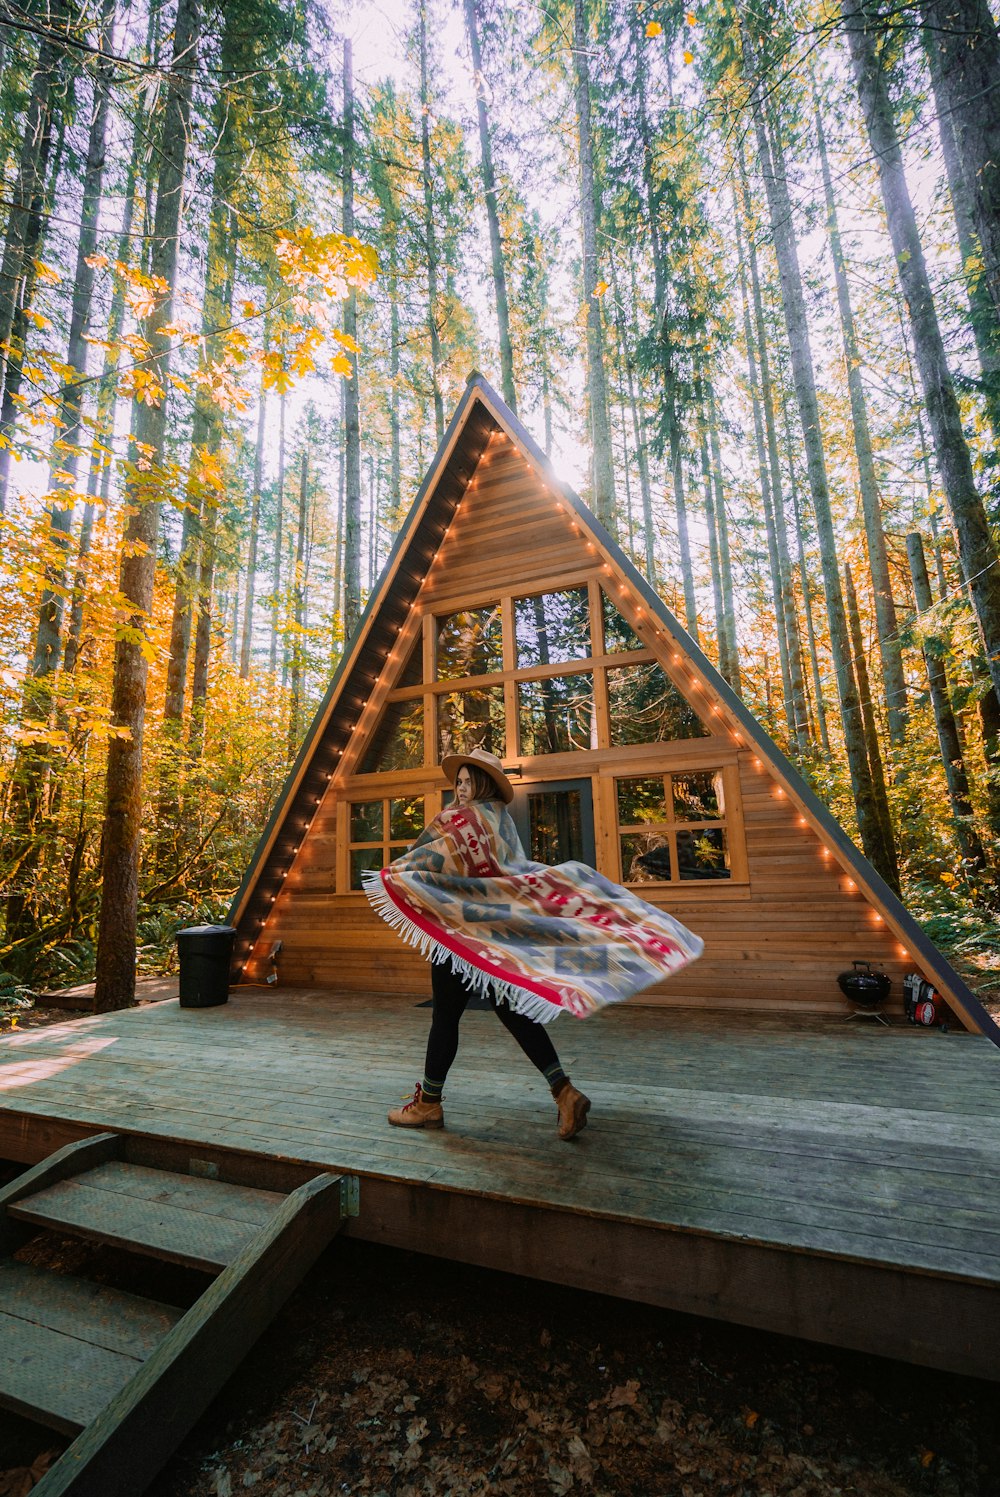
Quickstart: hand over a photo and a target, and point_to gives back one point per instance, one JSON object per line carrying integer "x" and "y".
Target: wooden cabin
{"x": 506, "y": 616}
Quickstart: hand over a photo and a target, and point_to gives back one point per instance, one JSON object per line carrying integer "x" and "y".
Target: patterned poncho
{"x": 544, "y": 940}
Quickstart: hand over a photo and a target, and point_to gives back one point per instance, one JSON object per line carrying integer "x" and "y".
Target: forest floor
{"x": 393, "y": 1375}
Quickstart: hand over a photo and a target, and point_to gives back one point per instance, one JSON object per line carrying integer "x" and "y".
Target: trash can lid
{"x": 207, "y": 930}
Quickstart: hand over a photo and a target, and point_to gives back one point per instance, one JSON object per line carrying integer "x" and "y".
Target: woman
{"x": 535, "y": 940}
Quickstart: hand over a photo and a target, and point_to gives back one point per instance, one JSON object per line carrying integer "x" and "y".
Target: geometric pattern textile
{"x": 544, "y": 940}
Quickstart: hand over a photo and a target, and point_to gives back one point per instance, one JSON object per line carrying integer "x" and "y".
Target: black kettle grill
{"x": 865, "y": 988}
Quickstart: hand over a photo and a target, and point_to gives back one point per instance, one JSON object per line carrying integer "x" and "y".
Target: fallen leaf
{"x": 624, "y": 1397}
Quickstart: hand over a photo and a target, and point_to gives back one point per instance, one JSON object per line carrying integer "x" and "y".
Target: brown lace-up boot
{"x": 573, "y": 1108}
{"x": 416, "y": 1113}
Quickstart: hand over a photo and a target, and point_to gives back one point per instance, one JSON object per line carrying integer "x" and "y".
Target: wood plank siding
{"x": 794, "y": 913}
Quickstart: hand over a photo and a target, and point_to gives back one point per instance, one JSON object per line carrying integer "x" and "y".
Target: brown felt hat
{"x": 452, "y": 763}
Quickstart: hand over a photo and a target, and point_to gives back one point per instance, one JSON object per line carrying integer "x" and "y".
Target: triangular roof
{"x": 480, "y": 413}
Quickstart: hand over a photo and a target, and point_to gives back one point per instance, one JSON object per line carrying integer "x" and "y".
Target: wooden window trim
{"x": 385, "y": 844}
{"x": 731, "y": 823}
{"x": 529, "y": 673}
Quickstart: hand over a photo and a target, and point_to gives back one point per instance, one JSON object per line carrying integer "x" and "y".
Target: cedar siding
{"x": 490, "y": 525}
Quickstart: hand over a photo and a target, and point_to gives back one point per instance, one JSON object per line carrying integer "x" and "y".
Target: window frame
{"x": 718, "y": 749}
{"x": 731, "y": 823}
{"x": 387, "y": 842}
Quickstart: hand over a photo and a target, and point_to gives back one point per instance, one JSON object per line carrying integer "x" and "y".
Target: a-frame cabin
{"x": 507, "y": 616}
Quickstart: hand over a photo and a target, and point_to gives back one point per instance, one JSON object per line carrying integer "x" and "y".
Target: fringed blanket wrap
{"x": 545, "y": 940}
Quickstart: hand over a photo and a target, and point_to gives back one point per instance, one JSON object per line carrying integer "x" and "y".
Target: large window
{"x": 398, "y": 741}
{"x": 673, "y": 828}
{"x": 470, "y": 643}
{"x": 556, "y": 714}
{"x": 380, "y": 830}
{"x": 646, "y": 707}
{"x": 552, "y": 627}
{"x": 535, "y": 691}
{"x": 472, "y": 719}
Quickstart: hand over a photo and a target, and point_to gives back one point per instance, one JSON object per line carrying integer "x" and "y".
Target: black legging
{"x": 451, "y": 994}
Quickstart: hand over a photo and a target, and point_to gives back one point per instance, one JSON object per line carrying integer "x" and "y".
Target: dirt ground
{"x": 393, "y": 1375}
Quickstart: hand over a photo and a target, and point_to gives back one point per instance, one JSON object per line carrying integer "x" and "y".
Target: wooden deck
{"x": 835, "y": 1181}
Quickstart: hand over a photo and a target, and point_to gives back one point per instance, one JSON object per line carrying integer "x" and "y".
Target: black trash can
{"x": 205, "y": 953}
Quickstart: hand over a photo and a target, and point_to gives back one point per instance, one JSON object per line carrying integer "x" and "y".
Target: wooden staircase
{"x": 124, "y": 1375}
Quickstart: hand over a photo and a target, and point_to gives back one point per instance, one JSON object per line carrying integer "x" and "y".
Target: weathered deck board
{"x": 862, "y": 1146}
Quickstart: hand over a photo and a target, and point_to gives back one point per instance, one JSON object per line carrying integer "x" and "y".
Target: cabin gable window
{"x": 472, "y": 719}
{"x": 546, "y": 676}
{"x": 469, "y": 643}
{"x": 644, "y": 706}
{"x": 550, "y": 628}
{"x": 398, "y": 740}
{"x": 557, "y": 714}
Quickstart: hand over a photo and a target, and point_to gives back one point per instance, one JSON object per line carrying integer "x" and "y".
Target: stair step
{"x": 67, "y": 1346}
{"x": 200, "y": 1223}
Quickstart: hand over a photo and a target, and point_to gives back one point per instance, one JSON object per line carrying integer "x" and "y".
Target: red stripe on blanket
{"x": 462, "y": 949}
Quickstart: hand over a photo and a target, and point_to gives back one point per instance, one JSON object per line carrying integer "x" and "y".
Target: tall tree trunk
{"x": 789, "y": 616}
{"x": 639, "y": 425}
{"x": 964, "y": 35}
{"x": 721, "y": 636}
{"x": 807, "y": 592}
{"x": 33, "y": 759}
{"x": 430, "y": 235}
{"x": 602, "y": 467}
{"x": 246, "y": 647}
{"x": 492, "y": 214}
{"x": 982, "y": 313}
{"x": 395, "y": 463}
{"x": 977, "y": 550}
{"x": 890, "y": 651}
{"x": 29, "y": 184}
{"x": 297, "y": 652}
{"x": 68, "y": 435}
{"x": 145, "y": 487}
{"x": 25, "y": 228}
{"x": 102, "y": 445}
{"x": 797, "y": 329}
{"x": 352, "y": 417}
{"x": 868, "y": 723}
{"x": 725, "y": 561}
{"x": 764, "y": 472}
{"x": 950, "y": 745}
{"x": 278, "y": 524}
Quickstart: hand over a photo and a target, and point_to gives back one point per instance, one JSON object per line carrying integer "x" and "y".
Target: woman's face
{"x": 463, "y": 786}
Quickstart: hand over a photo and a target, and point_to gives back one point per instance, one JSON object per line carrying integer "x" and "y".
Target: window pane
{"x": 361, "y": 861}
{"x": 398, "y": 741}
{"x": 645, "y": 858}
{"x": 641, "y": 800}
{"x": 552, "y": 627}
{"x": 556, "y": 821}
{"x": 470, "y": 643}
{"x": 471, "y": 719}
{"x": 646, "y": 707}
{"x": 703, "y": 853}
{"x": 698, "y": 797}
{"x": 413, "y": 671}
{"x": 406, "y": 817}
{"x": 618, "y": 632}
{"x": 366, "y": 821}
{"x": 557, "y": 715}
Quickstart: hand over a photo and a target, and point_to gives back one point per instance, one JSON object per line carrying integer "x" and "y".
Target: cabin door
{"x": 555, "y": 821}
